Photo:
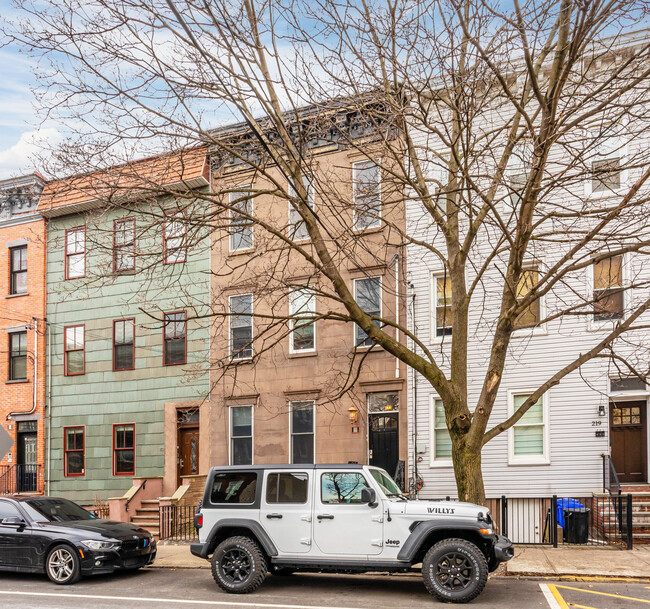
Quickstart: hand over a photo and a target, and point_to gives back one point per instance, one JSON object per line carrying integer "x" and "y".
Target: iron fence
{"x": 20, "y": 478}
{"x": 177, "y": 522}
{"x": 100, "y": 511}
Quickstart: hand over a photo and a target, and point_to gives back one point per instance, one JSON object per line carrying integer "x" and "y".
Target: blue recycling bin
{"x": 566, "y": 504}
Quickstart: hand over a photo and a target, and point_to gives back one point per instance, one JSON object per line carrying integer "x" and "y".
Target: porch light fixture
{"x": 353, "y": 413}
{"x": 601, "y": 410}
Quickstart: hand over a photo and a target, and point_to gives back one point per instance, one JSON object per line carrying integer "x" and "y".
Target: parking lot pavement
{"x": 183, "y": 588}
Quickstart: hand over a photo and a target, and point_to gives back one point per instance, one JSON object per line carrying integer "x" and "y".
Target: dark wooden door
{"x": 628, "y": 440}
{"x": 188, "y": 451}
{"x": 383, "y": 438}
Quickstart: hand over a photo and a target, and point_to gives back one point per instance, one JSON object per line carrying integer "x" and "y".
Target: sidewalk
{"x": 536, "y": 561}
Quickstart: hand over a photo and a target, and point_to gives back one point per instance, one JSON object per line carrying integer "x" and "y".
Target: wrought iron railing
{"x": 177, "y": 522}
{"x": 20, "y": 478}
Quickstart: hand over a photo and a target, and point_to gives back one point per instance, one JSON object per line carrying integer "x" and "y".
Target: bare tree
{"x": 518, "y": 139}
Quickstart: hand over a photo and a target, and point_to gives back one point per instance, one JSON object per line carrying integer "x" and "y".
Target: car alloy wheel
{"x": 62, "y": 565}
{"x": 235, "y": 565}
{"x": 238, "y": 565}
{"x": 454, "y": 571}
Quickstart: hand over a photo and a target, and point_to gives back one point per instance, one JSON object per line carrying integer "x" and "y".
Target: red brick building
{"x": 22, "y": 336}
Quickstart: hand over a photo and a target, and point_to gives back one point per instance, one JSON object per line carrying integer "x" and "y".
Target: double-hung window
{"x": 531, "y": 315}
{"x": 302, "y": 304}
{"x": 528, "y": 436}
{"x": 297, "y": 227}
{"x": 75, "y": 253}
{"x": 175, "y": 339}
{"x": 441, "y": 451}
{"x": 124, "y": 344}
{"x": 367, "y": 293}
{"x": 608, "y": 289}
{"x": 74, "y": 447}
{"x": 18, "y": 270}
{"x": 367, "y": 195}
{"x": 302, "y": 432}
{"x": 174, "y": 240}
{"x": 442, "y": 302}
{"x": 74, "y": 350}
{"x": 607, "y": 161}
{"x": 241, "y": 226}
{"x": 124, "y": 450}
{"x": 124, "y": 245}
{"x": 241, "y": 435}
{"x": 241, "y": 326}
{"x": 17, "y": 356}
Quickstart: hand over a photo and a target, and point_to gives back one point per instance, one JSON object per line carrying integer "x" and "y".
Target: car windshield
{"x": 386, "y": 483}
{"x": 57, "y": 510}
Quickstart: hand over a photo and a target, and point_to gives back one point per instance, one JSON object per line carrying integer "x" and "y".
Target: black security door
{"x": 384, "y": 440}
{"x": 26, "y": 474}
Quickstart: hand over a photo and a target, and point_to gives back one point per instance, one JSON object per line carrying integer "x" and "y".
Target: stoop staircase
{"x": 147, "y": 516}
{"x": 640, "y": 512}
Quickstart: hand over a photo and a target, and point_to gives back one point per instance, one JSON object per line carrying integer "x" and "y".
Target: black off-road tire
{"x": 239, "y": 565}
{"x": 62, "y": 565}
{"x": 454, "y": 571}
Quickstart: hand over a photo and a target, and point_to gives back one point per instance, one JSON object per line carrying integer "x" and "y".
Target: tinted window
{"x": 342, "y": 488}
{"x": 236, "y": 487}
{"x": 287, "y": 488}
{"x": 58, "y": 510}
{"x": 8, "y": 510}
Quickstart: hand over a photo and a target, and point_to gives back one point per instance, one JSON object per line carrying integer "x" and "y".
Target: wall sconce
{"x": 601, "y": 410}
{"x": 353, "y": 413}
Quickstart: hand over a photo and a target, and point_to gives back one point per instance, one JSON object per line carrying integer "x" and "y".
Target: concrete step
{"x": 150, "y": 502}
{"x": 148, "y": 510}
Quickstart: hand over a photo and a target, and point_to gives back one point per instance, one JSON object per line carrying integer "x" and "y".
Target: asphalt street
{"x": 185, "y": 588}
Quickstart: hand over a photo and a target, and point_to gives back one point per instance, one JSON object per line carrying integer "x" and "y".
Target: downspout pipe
{"x": 32, "y": 410}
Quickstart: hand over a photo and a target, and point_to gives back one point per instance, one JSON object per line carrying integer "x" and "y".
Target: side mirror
{"x": 14, "y": 521}
{"x": 369, "y": 496}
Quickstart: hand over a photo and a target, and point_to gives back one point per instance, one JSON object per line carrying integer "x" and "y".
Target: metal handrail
{"x": 126, "y": 506}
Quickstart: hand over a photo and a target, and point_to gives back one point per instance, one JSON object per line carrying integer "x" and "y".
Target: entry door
{"x": 383, "y": 438}
{"x": 628, "y": 440}
{"x": 342, "y": 524}
{"x": 188, "y": 449}
{"x": 26, "y": 474}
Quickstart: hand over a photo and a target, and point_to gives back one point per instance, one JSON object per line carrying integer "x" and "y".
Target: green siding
{"x": 100, "y": 398}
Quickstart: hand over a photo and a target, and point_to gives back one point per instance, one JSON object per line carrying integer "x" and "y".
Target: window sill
{"x": 17, "y": 381}
{"x": 604, "y": 325}
{"x": 528, "y": 332}
{"x": 17, "y": 295}
{"x": 299, "y": 354}
{"x": 441, "y": 464}
{"x": 368, "y": 231}
{"x": 539, "y": 461}
{"x": 125, "y": 272}
{"x": 241, "y": 360}
{"x": 164, "y": 364}
{"x": 249, "y": 250}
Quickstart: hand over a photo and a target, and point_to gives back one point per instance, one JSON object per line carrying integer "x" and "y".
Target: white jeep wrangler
{"x": 340, "y": 519}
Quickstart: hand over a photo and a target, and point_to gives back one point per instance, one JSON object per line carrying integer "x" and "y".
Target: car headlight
{"x": 94, "y": 544}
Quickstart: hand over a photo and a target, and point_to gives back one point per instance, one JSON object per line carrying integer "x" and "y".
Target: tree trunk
{"x": 467, "y": 467}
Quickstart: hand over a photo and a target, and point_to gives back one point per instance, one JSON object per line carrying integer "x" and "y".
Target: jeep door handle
{"x": 276, "y": 516}
{"x": 325, "y": 517}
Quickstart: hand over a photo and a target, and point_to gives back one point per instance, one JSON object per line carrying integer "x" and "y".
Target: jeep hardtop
{"x": 340, "y": 519}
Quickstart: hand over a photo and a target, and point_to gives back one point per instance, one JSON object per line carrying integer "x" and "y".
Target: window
{"x": 241, "y": 227}
{"x": 175, "y": 335}
{"x": 7, "y": 510}
{"x": 75, "y": 253}
{"x": 17, "y": 356}
{"x": 18, "y": 270}
{"x": 302, "y": 304}
{"x": 287, "y": 488}
{"x": 441, "y": 450}
{"x": 174, "y": 240}
{"x": 297, "y": 227}
{"x": 367, "y": 293}
{"x": 528, "y": 442}
{"x": 606, "y": 175}
{"x": 531, "y": 315}
{"x": 442, "y": 299}
{"x": 518, "y": 182}
{"x": 383, "y": 401}
{"x": 74, "y": 354}
{"x": 302, "y": 432}
{"x": 74, "y": 451}
{"x": 124, "y": 344}
{"x": 342, "y": 487}
{"x": 124, "y": 245}
{"x": 124, "y": 450}
{"x": 241, "y": 326}
{"x": 608, "y": 289}
{"x": 367, "y": 195}
{"x": 607, "y": 150}
{"x": 235, "y": 487}
{"x": 241, "y": 435}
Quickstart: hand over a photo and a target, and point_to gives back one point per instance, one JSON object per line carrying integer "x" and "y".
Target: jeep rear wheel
{"x": 454, "y": 570}
{"x": 239, "y": 565}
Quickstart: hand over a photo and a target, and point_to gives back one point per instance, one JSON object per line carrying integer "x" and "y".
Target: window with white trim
{"x": 607, "y": 159}
{"x": 302, "y": 304}
{"x": 241, "y": 435}
{"x": 302, "y": 431}
{"x": 442, "y": 305}
{"x": 531, "y": 315}
{"x": 528, "y": 436}
{"x": 608, "y": 294}
{"x": 75, "y": 253}
{"x": 241, "y": 326}
{"x": 367, "y": 293}
{"x": 241, "y": 226}
{"x": 367, "y": 195}
{"x": 297, "y": 227}
{"x": 441, "y": 440}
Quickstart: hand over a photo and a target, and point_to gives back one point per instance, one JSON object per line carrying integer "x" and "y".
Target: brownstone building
{"x": 22, "y": 356}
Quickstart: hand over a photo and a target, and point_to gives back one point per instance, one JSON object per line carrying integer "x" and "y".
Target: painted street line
{"x": 627, "y": 598}
{"x": 553, "y": 597}
{"x": 179, "y": 601}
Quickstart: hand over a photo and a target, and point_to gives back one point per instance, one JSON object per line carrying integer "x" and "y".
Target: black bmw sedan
{"x": 61, "y": 538}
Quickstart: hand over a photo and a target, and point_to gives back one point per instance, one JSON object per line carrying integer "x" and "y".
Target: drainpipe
{"x": 35, "y": 397}
{"x": 49, "y": 404}
{"x": 396, "y": 262}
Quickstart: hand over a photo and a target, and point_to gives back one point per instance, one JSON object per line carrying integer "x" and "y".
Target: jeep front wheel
{"x": 239, "y": 565}
{"x": 454, "y": 570}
